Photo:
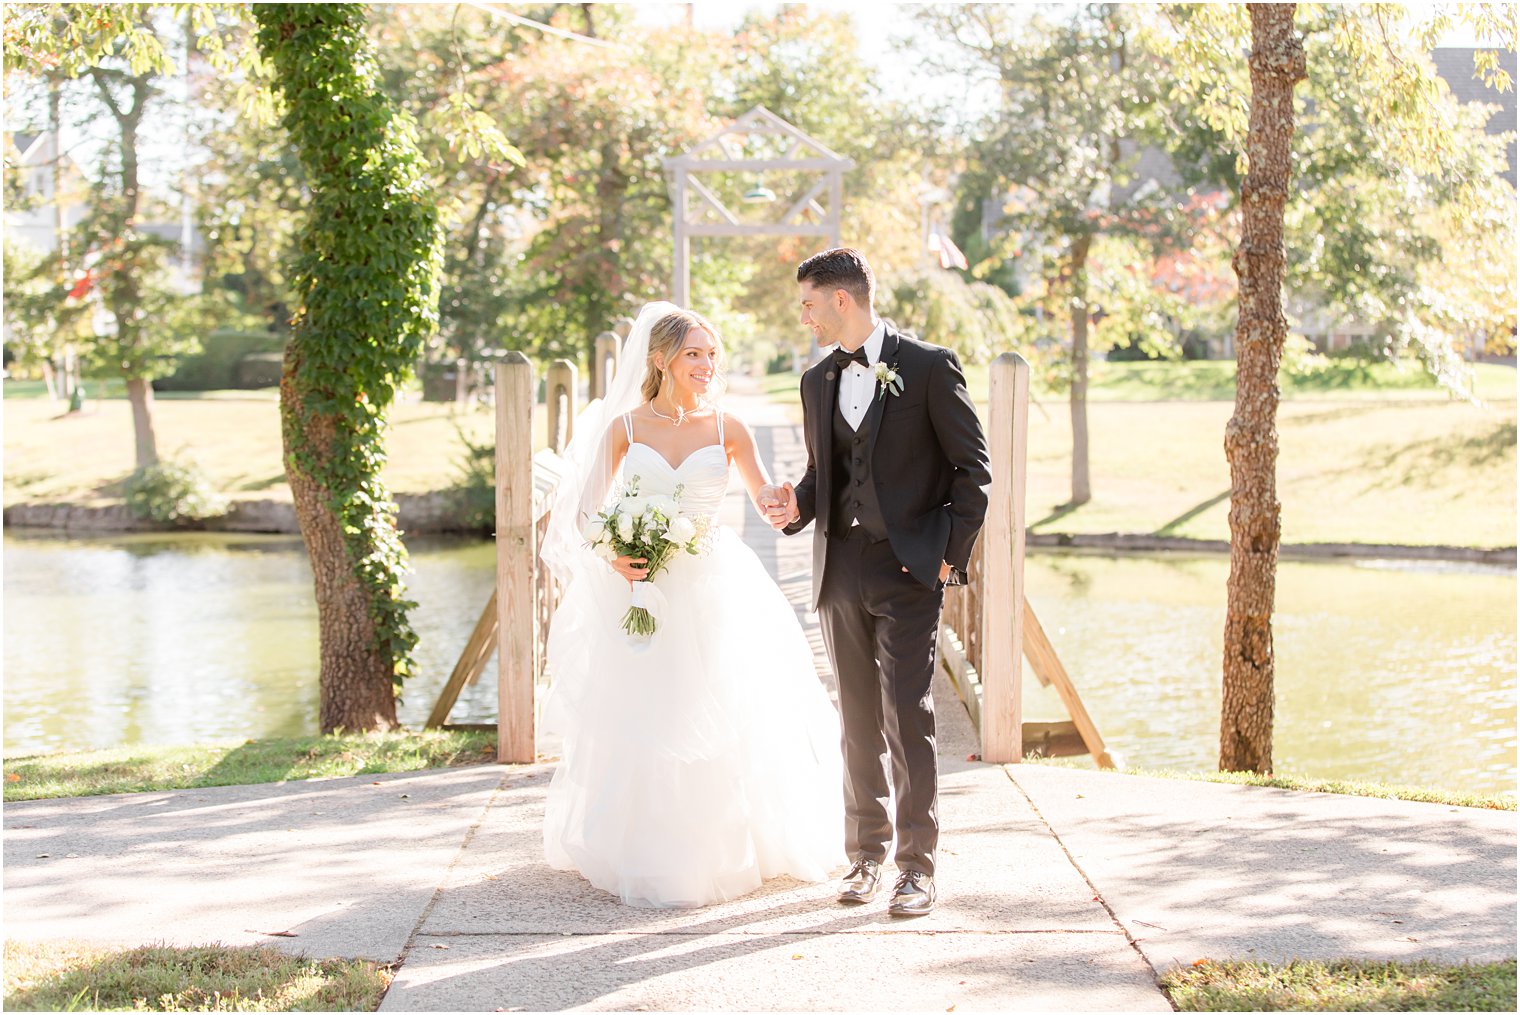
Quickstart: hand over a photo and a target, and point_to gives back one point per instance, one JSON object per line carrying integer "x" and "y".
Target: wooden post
{"x": 515, "y": 740}
{"x": 604, "y": 362}
{"x": 559, "y": 396}
{"x": 1002, "y": 618}
{"x": 461, "y": 381}
{"x": 681, "y": 278}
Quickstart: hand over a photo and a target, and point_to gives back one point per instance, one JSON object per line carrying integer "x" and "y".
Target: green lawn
{"x": 1386, "y": 458}
{"x": 143, "y": 767}
{"x": 1367, "y": 454}
{"x": 82, "y": 976}
{"x": 1287, "y": 780}
{"x": 1214, "y": 380}
{"x": 1347, "y": 985}
{"x": 234, "y": 435}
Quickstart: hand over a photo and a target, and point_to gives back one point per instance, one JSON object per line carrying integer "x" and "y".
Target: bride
{"x": 705, "y": 759}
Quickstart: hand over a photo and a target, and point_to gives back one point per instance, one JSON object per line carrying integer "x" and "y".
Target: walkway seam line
{"x": 406, "y": 949}
{"x": 1097, "y": 895}
{"x": 753, "y": 933}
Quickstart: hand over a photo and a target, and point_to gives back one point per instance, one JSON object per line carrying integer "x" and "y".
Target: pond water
{"x": 1398, "y": 673}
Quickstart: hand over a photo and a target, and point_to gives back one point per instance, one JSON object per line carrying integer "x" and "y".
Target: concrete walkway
{"x": 1059, "y": 888}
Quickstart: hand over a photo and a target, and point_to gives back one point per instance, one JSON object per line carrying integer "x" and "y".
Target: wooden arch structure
{"x": 759, "y": 142}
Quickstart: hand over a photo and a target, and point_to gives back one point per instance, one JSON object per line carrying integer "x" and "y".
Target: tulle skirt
{"x": 703, "y": 761}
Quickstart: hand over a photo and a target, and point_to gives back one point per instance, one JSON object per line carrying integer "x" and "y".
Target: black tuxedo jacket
{"x": 928, "y": 460}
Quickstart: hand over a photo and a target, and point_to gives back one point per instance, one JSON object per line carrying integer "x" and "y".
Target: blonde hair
{"x": 667, "y": 337}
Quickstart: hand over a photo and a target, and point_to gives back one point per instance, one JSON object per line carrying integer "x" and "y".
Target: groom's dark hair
{"x": 840, "y": 268}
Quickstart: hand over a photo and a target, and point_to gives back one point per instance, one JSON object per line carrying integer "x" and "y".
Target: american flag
{"x": 949, "y": 254}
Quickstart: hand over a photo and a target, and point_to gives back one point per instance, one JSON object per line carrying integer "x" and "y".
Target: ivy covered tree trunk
{"x": 1277, "y": 65}
{"x": 366, "y": 280}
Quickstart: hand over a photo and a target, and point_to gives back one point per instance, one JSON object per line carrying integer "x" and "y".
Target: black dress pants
{"x": 881, "y": 627}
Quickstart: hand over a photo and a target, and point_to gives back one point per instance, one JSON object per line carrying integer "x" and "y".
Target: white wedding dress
{"x": 707, "y": 759}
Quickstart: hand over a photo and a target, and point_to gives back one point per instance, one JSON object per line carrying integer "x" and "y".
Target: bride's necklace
{"x": 678, "y": 418}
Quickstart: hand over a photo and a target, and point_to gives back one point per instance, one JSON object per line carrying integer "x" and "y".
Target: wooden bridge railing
{"x": 524, "y": 490}
{"x": 987, "y": 629}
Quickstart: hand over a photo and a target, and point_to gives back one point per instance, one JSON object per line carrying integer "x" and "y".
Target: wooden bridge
{"x": 988, "y": 628}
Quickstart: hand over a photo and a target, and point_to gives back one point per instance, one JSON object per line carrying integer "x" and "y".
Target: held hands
{"x": 779, "y": 504}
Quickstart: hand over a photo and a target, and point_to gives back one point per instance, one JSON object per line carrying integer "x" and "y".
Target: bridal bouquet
{"x": 651, "y": 527}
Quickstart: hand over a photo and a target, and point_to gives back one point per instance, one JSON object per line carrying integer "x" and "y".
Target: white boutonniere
{"x": 889, "y": 379}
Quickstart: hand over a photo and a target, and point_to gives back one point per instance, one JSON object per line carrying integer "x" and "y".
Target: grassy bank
{"x": 145, "y": 767}
{"x": 79, "y": 976}
{"x": 1348, "y": 787}
{"x": 1347, "y": 985}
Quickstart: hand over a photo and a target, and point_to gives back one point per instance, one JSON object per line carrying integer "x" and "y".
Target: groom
{"x": 896, "y": 482}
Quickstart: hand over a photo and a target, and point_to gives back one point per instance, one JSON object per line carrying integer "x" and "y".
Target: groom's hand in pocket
{"x": 944, "y": 571}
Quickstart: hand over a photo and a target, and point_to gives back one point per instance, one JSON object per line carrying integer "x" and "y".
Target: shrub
{"x": 475, "y": 492}
{"x": 216, "y": 365}
{"x": 171, "y": 493}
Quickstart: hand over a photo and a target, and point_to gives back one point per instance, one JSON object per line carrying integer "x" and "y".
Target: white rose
{"x": 605, "y": 551}
{"x": 625, "y": 527}
{"x": 666, "y": 506}
{"x": 681, "y": 530}
{"x": 594, "y": 531}
{"x": 633, "y": 505}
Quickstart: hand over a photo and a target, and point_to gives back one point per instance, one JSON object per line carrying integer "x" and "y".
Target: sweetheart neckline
{"x": 678, "y": 468}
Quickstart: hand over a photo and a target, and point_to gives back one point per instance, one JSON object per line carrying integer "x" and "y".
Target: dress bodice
{"x": 702, "y": 476}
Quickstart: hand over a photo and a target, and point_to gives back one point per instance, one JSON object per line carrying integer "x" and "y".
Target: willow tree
{"x": 366, "y": 285}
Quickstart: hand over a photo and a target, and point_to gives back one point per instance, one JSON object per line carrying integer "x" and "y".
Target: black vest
{"x": 854, "y": 492}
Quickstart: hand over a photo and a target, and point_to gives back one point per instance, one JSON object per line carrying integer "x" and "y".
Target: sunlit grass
{"x": 1397, "y": 466}
{"x": 1346, "y": 985}
{"x": 1282, "y": 780}
{"x": 144, "y": 767}
{"x": 1214, "y": 380}
{"x": 1385, "y": 457}
{"x": 85, "y": 457}
{"x": 79, "y": 976}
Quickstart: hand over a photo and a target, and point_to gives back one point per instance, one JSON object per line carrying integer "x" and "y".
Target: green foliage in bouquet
{"x": 652, "y": 527}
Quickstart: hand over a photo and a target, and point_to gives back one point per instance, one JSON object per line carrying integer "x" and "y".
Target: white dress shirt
{"x": 858, "y": 385}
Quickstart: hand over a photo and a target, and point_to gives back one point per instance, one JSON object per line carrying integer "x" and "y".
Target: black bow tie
{"x": 843, "y": 359}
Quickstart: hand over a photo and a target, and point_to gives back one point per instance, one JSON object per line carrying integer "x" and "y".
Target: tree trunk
{"x": 355, "y": 687}
{"x": 140, "y": 395}
{"x": 123, "y": 293}
{"x": 1081, "y": 481}
{"x": 1277, "y": 65}
{"x": 55, "y": 126}
{"x": 366, "y": 279}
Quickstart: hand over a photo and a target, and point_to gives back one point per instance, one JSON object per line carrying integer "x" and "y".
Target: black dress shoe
{"x": 862, "y": 882}
{"x": 913, "y": 895}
